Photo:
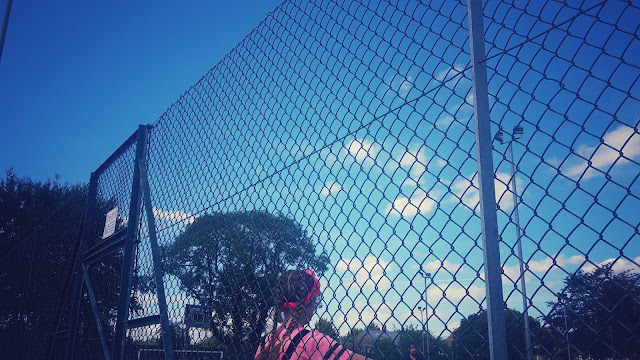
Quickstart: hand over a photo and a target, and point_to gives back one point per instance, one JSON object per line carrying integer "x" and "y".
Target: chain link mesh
{"x": 566, "y": 74}
{"x": 339, "y": 136}
{"x": 34, "y": 275}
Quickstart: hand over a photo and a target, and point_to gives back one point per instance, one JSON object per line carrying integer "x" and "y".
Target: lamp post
{"x": 425, "y": 276}
{"x": 563, "y": 298}
{"x": 420, "y": 308}
{"x": 517, "y": 134}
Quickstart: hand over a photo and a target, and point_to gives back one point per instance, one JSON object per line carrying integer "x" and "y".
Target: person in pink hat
{"x": 296, "y": 296}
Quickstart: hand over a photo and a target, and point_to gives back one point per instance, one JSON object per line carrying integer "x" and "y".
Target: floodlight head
{"x": 518, "y": 131}
{"x": 499, "y": 137}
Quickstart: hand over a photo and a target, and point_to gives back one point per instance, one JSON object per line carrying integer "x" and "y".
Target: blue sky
{"x": 77, "y": 77}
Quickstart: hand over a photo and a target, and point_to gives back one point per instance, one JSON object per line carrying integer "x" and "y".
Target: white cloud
{"x": 329, "y": 157}
{"x": 469, "y": 99}
{"x": 419, "y": 203}
{"x": 416, "y": 160}
{"x": 618, "y": 266}
{"x": 445, "y": 120}
{"x": 406, "y": 86}
{"x": 441, "y": 162}
{"x": 410, "y": 182}
{"x": 370, "y": 273}
{"x": 553, "y": 161}
{"x": 604, "y": 155}
{"x": 361, "y": 149}
{"x": 541, "y": 266}
{"x": 449, "y": 73}
{"x": 469, "y": 194}
{"x": 411, "y": 156}
{"x": 452, "y": 325}
{"x": 330, "y": 188}
{"x": 362, "y": 314}
{"x": 466, "y": 191}
{"x": 434, "y": 266}
{"x": 402, "y": 84}
{"x": 176, "y": 215}
{"x": 455, "y": 292}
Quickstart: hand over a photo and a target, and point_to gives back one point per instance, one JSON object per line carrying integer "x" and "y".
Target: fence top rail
{"x": 116, "y": 154}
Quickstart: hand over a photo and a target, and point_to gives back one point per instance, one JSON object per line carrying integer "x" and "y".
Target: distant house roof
{"x": 367, "y": 338}
{"x": 449, "y": 339}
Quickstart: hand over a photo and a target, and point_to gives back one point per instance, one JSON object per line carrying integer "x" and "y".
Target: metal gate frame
{"x": 126, "y": 239}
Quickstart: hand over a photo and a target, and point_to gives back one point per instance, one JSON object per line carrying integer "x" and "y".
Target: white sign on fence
{"x": 110, "y": 223}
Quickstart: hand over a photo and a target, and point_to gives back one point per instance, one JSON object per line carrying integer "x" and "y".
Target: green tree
{"x": 349, "y": 339}
{"x": 25, "y": 203}
{"x": 373, "y": 326}
{"x": 326, "y": 327}
{"x": 383, "y": 349}
{"x": 230, "y": 264}
{"x": 471, "y": 338}
{"x": 602, "y": 312}
{"x": 413, "y": 334}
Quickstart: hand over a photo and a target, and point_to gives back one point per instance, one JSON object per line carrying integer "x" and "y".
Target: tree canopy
{"x": 25, "y": 203}
{"x": 230, "y": 263}
{"x": 326, "y": 327}
{"x": 470, "y": 339}
{"x": 602, "y": 313}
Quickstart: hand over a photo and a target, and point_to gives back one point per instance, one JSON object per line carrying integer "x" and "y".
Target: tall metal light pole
{"x": 426, "y": 276}
{"x": 420, "y": 308}
{"x": 563, "y": 298}
{"x": 516, "y": 134}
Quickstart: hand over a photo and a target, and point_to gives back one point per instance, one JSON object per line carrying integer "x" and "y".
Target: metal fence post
{"x": 128, "y": 257}
{"x": 488, "y": 211}
{"x": 157, "y": 264}
{"x": 87, "y": 227}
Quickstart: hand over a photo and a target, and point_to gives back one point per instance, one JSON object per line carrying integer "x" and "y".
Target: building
{"x": 366, "y": 340}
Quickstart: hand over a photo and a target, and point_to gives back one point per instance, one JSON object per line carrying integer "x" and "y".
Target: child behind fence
{"x": 296, "y": 294}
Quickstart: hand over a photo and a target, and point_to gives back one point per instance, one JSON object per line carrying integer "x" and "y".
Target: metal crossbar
{"x": 462, "y": 176}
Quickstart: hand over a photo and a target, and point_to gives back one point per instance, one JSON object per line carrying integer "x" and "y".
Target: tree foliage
{"x": 471, "y": 338}
{"x": 326, "y": 327}
{"x": 25, "y": 203}
{"x": 412, "y": 334}
{"x": 603, "y": 314}
{"x": 230, "y": 264}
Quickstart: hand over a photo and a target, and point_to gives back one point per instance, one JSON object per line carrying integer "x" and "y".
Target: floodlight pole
{"x": 422, "y": 321}
{"x": 563, "y": 298}
{"x": 517, "y": 131}
{"x": 525, "y": 308}
{"x": 425, "y": 276}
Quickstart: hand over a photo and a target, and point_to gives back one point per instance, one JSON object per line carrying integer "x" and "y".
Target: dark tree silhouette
{"x": 603, "y": 314}
{"x": 471, "y": 338}
{"x": 326, "y": 327}
{"x": 25, "y": 203}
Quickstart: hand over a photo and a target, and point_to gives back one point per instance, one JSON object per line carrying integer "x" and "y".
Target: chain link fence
{"x": 339, "y": 136}
{"x": 34, "y": 277}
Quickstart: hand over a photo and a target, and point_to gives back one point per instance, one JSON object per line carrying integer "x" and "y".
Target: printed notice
{"x": 110, "y": 224}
